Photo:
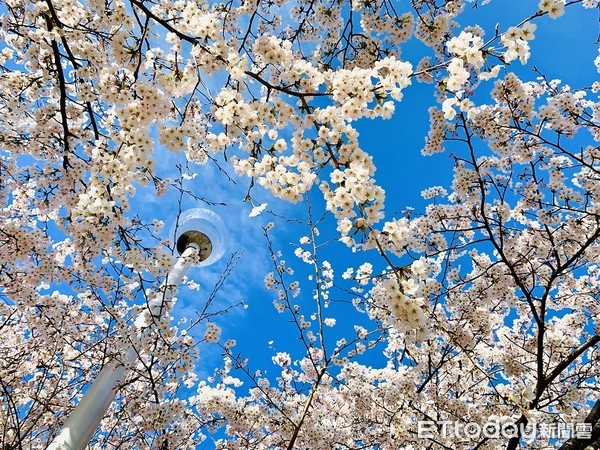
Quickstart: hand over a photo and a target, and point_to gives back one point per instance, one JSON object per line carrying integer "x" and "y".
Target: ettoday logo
{"x": 500, "y": 428}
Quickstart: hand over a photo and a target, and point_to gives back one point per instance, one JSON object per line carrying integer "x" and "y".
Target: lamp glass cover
{"x": 206, "y": 222}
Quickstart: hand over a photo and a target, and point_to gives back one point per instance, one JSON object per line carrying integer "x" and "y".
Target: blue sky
{"x": 562, "y": 49}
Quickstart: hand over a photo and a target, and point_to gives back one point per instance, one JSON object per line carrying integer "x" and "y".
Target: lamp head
{"x": 203, "y": 229}
{"x": 197, "y": 239}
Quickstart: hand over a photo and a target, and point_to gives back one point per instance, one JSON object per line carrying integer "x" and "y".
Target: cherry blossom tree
{"x": 476, "y": 311}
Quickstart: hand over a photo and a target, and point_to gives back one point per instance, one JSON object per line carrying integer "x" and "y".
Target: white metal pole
{"x": 85, "y": 418}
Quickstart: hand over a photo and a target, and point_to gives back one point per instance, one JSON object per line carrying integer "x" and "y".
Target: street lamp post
{"x": 201, "y": 238}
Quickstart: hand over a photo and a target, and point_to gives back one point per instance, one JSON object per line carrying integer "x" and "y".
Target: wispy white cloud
{"x": 246, "y": 242}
